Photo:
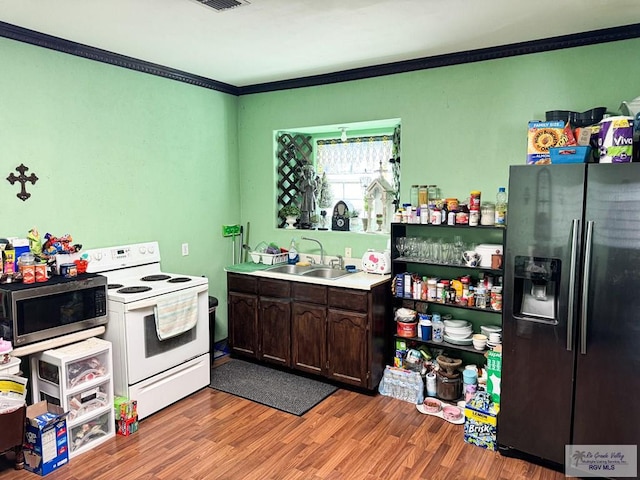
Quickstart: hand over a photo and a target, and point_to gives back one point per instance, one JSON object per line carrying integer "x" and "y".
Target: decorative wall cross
{"x": 22, "y": 178}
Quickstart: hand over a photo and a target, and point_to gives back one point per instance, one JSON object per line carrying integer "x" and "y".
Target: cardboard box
{"x": 480, "y": 428}
{"x": 46, "y": 444}
{"x": 542, "y": 136}
{"x": 494, "y": 375}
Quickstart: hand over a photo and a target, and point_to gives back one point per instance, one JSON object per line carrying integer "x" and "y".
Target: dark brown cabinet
{"x": 334, "y": 332}
{"x": 309, "y": 338}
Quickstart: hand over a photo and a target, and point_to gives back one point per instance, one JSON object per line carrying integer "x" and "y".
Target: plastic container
{"x": 501, "y": 207}
{"x": 437, "y": 330}
{"x": 407, "y": 329}
{"x": 570, "y": 154}
{"x": 487, "y": 214}
{"x": 292, "y": 256}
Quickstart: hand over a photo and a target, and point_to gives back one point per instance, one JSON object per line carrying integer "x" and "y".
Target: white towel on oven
{"x": 175, "y": 314}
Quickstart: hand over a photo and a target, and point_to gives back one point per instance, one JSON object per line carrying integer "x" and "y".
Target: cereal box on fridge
{"x": 544, "y": 135}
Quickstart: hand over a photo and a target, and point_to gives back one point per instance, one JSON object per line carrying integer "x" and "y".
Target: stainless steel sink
{"x": 326, "y": 273}
{"x": 290, "y": 269}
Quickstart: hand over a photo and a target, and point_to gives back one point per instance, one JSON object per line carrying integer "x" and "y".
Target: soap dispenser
{"x": 293, "y": 256}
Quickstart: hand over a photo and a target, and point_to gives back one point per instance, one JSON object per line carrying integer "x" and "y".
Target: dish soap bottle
{"x": 293, "y": 257}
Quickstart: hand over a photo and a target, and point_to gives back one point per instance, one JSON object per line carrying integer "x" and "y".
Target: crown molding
{"x": 91, "y": 53}
{"x": 32, "y": 37}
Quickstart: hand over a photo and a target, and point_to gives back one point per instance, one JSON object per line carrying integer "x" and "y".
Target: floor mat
{"x": 285, "y": 391}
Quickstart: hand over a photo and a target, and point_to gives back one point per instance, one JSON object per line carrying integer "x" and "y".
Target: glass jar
{"x": 413, "y": 196}
{"x": 423, "y": 194}
{"x": 487, "y": 213}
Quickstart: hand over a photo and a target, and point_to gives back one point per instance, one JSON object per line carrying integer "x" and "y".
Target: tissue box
{"x": 45, "y": 447}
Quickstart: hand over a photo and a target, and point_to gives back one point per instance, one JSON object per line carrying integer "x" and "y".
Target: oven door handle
{"x": 152, "y": 302}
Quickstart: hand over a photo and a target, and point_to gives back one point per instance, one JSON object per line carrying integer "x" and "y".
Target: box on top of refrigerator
{"x": 542, "y": 136}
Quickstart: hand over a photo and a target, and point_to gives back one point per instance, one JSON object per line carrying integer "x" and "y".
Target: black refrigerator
{"x": 571, "y": 309}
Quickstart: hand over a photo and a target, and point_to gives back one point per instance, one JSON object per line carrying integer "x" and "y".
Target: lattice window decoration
{"x": 293, "y": 152}
{"x": 395, "y": 166}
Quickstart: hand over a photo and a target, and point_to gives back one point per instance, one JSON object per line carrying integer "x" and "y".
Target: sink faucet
{"x": 337, "y": 262}
{"x": 321, "y": 248}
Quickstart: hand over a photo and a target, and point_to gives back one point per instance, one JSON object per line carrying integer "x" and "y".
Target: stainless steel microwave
{"x": 39, "y": 311}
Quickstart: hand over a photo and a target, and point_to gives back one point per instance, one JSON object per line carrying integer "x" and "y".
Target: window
{"x": 351, "y": 165}
{"x": 340, "y": 166}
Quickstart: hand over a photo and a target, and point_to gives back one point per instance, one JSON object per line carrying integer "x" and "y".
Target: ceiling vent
{"x": 223, "y": 5}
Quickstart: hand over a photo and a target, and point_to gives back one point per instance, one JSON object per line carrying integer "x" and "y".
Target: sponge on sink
{"x": 303, "y": 264}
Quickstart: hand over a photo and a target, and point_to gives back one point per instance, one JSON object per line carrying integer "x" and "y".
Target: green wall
{"x": 462, "y": 126}
{"x": 125, "y": 157}
{"x": 121, "y": 157}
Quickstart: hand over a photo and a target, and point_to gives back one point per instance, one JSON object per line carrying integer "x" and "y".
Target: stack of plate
{"x": 458, "y": 332}
{"x": 495, "y": 339}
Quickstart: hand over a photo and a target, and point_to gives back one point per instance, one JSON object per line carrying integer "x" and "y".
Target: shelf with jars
{"x": 436, "y": 270}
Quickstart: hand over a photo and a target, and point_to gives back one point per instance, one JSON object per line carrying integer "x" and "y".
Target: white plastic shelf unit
{"x": 79, "y": 378}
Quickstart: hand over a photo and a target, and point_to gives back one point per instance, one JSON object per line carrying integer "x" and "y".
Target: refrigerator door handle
{"x": 575, "y": 228}
{"x": 585, "y": 289}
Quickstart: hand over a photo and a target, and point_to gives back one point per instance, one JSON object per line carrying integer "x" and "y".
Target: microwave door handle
{"x": 575, "y": 225}
{"x": 585, "y": 289}
{"x": 152, "y": 302}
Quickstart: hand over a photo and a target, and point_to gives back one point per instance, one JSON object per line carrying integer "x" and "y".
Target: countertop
{"x": 358, "y": 280}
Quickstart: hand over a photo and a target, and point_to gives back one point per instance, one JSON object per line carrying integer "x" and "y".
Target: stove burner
{"x": 179, "y": 280}
{"x": 136, "y": 289}
{"x": 111, "y": 286}
{"x": 155, "y": 278}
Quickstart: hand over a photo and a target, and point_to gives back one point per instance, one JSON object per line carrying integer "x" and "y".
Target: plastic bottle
{"x": 501, "y": 207}
{"x": 293, "y": 257}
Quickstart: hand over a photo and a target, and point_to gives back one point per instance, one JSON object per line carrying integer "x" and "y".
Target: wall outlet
{"x": 185, "y": 249}
{"x": 347, "y": 252}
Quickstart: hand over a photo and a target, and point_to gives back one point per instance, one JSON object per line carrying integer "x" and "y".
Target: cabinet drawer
{"x": 356, "y": 300}
{"x": 274, "y": 288}
{"x": 242, "y": 283}
{"x": 305, "y": 292}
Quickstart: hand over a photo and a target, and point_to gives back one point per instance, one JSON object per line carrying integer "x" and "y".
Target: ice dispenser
{"x": 536, "y": 289}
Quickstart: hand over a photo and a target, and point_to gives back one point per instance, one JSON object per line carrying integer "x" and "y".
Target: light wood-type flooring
{"x": 350, "y": 435}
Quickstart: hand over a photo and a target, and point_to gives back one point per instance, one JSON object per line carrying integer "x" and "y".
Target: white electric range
{"x": 156, "y": 372}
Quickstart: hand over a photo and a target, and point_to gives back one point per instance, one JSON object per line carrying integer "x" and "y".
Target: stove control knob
{"x": 97, "y": 256}
{"x": 151, "y": 248}
{"x": 143, "y": 249}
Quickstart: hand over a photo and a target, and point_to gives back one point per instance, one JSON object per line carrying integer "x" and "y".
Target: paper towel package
{"x": 615, "y": 139}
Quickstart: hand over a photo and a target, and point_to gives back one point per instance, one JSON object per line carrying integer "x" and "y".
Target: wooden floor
{"x": 214, "y": 435}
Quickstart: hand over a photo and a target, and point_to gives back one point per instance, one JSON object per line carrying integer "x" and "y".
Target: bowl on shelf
{"x": 459, "y": 336}
{"x": 458, "y": 341}
{"x": 456, "y": 323}
{"x": 479, "y": 341}
{"x": 458, "y": 331}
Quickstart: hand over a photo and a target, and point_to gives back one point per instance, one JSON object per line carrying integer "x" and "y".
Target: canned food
{"x": 41, "y": 272}
{"x": 68, "y": 270}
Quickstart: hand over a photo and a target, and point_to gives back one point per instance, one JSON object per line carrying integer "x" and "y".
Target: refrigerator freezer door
{"x": 545, "y": 209}
{"x": 607, "y": 378}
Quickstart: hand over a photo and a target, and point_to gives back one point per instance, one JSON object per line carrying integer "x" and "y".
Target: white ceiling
{"x": 274, "y": 40}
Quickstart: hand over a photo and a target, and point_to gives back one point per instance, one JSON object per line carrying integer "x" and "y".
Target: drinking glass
{"x": 401, "y": 245}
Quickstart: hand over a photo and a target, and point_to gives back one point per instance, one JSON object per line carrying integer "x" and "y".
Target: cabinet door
{"x": 347, "y": 347}
{"x": 243, "y": 316}
{"x": 309, "y": 337}
{"x": 274, "y": 322}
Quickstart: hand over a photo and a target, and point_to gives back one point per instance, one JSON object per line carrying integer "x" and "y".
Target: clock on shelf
{"x": 340, "y": 218}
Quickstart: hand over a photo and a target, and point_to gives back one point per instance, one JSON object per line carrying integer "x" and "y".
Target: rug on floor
{"x": 285, "y": 391}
